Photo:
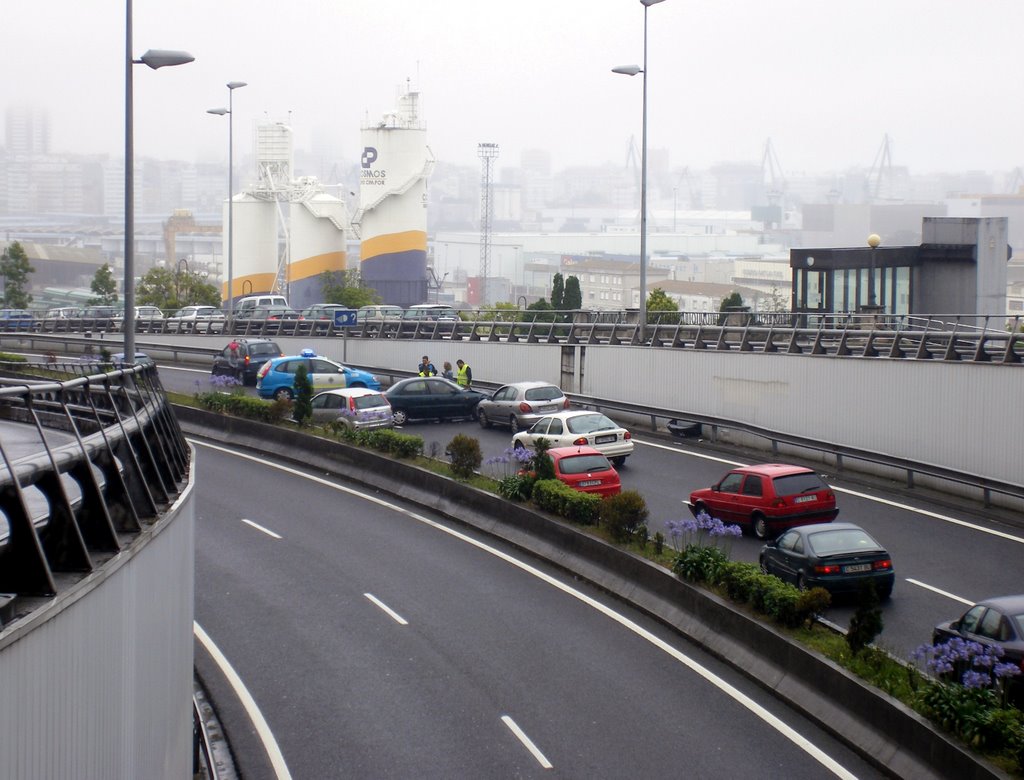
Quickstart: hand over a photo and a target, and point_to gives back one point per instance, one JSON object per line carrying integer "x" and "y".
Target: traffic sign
{"x": 344, "y": 318}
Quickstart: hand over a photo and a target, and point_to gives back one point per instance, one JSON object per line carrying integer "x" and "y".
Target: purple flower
{"x": 973, "y": 680}
{"x": 1004, "y": 670}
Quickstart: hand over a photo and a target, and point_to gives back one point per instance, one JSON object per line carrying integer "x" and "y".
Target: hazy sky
{"x": 824, "y": 80}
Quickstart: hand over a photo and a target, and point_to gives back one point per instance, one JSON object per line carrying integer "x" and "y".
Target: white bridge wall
{"x": 964, "y": 416}
{"x": 98, "y": 682}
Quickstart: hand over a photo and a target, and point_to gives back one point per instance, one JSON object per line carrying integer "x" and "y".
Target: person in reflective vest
{"x": 426, "y": 368}
{"x": 463, "y": 374}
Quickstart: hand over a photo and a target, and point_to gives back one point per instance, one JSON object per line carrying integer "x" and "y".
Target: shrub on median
{"x": 245, "y": 406}
{"x": 401, "y": 445}
{"x": 562, "y": 500}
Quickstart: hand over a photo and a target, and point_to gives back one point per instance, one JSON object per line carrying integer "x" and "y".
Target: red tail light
{"x": 581, "y": 441}
{"x": 882, "y": 565}
{"x": 829, "y": 569}
{"x": 778, "y": 502}
{"x": 566, "y": 404}
{"x": 246, "y": 360}
{"x": 627, "y": 435}
{"x": 525, "y": 408}
{"x": 351, "y": 404}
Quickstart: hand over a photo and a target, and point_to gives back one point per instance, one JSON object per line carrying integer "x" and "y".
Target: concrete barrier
{"x": 882, "y": 730}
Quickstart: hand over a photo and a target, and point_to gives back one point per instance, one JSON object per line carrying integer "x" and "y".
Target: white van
{"x": 378, "y": 311}
{"x": 250, "y": 302}
{"x": 430, "y": 311}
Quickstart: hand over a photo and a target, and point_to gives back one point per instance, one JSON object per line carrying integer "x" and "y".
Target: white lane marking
{"x": 738, "y": 696}
{"x": 715, "y": 458}
{"x": 521, "y": 736}
{"x": 394, "y": 615}
{"x": 181, "y": 368}
{"x": 933, "y": 589}
{"x": 865, "y": 496}
{"x": 253, "y": 710}
{"x": 259, "y": 527}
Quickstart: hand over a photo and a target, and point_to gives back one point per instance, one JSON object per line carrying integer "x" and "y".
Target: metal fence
{"x": 968, "y": 337}
{"x": 90, "y": 457}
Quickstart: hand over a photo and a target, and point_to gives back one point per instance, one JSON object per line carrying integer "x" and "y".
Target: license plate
{"x": 547, "y": 409}
{"x": 589, "y": 482}
{"x": 856, "y": 567}
{"x": 804, "y": 499}
{"x": 605, "y": 439}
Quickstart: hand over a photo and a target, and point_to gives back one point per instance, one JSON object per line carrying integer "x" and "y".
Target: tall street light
{"x": 632, "y": 70}
{"x": 873, "y": 241}
{"x": 154, "y": 58}
{"x": 232, "y": 86}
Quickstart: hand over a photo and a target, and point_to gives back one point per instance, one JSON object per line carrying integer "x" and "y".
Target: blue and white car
{"x": 276, "y": 379}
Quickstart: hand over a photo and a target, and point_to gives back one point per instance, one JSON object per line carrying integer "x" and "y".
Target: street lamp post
{"x": 177, "y": 281}
{"x": 873, "y": 241}
{"x": 232, "y": 86}
{"x": 154, "y": 58}
{"x": 632, "y": 70}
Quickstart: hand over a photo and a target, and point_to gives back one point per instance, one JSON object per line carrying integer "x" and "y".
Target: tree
{"x": 733, "y": 299}
{"x": 15, "y": 268}
{"x": 303, "y": 410}
{"x": 168, "y": 289}
{"x": 572, "y": 298}
{"x": 557, "y": 292}
{"x": 657, "y": 303}
{"x": 541, "y": 312}
{"x": 347, "y": 288}
{"x": 104, "y": 286}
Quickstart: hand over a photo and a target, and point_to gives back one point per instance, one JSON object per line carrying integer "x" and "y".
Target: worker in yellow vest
{"x": 463, "y": 374}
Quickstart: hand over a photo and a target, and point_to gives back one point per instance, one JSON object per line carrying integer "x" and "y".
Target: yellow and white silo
{"x": 314, "y": 225}
{"x": 392, "y": 219}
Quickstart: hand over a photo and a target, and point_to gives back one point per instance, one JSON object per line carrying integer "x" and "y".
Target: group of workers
{"x": 462, "y": 375}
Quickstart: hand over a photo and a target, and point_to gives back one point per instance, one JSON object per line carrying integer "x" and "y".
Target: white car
{"x": 196, "y": 319}
{"x": 579, "y": 428}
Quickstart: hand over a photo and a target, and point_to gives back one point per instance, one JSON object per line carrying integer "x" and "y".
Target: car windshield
{"x": 582, "y": 464}
{"x": 370, "y": 401}
{"x": 841, "y": 540}
{"x": 795, "y": 484}
{"x": 548, "y": 393}
{"x": 589, "y": 423}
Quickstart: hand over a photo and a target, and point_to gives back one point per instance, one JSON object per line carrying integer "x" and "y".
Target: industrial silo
{"x": 318, "y": 224}
{"x": 392, "y": 218}
{"x": 255, "y": 245}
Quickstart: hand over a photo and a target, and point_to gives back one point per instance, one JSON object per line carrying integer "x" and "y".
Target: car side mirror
{"x": 716, "y": 488}
{"x": 955, "y": 625}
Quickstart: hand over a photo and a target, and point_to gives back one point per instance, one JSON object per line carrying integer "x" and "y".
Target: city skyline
{"x": 825, "y": 85}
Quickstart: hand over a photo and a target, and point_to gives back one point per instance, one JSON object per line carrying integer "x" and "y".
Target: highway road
{"x": 374, "y": 639}
{"x": 946, "y": 555}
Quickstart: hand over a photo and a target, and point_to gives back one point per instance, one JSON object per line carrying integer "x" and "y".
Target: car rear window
{"x": 842, "y": 540}
{"x": 588, "y": 423}
{"x": 370, "y": 401}
{"x": 543, "y": 393}
{"x": 795, "y": 484}
{"x": 581, "y": 464}
{"x": 264, "y": 349}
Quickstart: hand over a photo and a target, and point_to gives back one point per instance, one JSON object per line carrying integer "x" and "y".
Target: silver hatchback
{"x": 520, "y": 404}
{"x": 357, "y": 408}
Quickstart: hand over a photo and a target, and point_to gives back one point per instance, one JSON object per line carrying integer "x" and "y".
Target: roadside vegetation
{"x": 960, "y": 686}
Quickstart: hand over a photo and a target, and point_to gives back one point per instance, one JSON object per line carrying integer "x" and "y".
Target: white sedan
{"x": 591, "y": 429}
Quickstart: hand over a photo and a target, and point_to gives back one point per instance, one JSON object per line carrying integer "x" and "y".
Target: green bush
{"x": 541, "y": 465}
{"x": 7, "y": 357}
{"x": 245, "y": 406}
{"x": 516, "y": 487}
{"x": 401, "y": 445}
{"x": 866, "y": 622}
{"x": 623, "y": 515}
{"x": 465, "y": 456}
{"x": 697, "y": 563}
{"x": 562, "y": 500}
{"x": 812, "y": 603}
{"x": 303, "y": 411}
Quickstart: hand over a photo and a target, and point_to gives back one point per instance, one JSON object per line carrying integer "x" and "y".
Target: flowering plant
{"x": 701, "y": 531}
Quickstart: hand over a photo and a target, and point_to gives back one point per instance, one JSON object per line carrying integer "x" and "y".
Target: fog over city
{"x": 824, "y": 81}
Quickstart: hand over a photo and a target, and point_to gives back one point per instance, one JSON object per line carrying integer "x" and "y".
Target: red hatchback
{"x": 768, "y": 499}
{"x": 585, "y": 469}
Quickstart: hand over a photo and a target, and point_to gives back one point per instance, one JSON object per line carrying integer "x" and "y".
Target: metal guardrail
{"x": 841, "y": 452}
{"x": 967, "y": 337}
{"x": 126, "y": 454}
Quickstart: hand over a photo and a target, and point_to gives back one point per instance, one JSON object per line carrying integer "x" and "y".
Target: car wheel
{"x": 885, "y": 593}
{"x": 481, "y": 417}
{"x": 283, "y": 394}
{"x": 700, "y": 507}
{"x": 801, "y": 583}
{"x": 619, "y": 461}
{"x": 513, "y": 424}
{"x": 400, "y": 417}
{"x": 357, "y": 384}
{"x": 519, "y": 446}
{"x": 763, "y": 565}
{"x": 759, "y": 526}
{"x": 240, "y": 376}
